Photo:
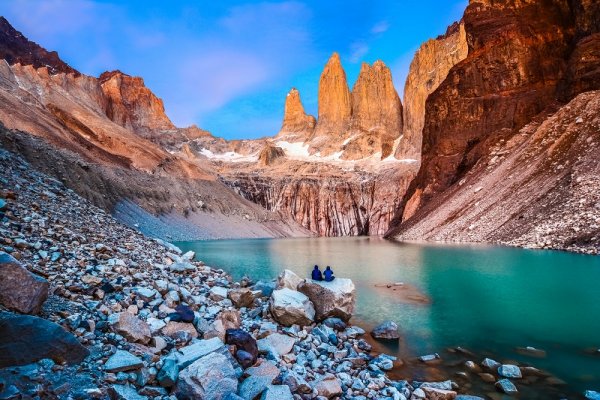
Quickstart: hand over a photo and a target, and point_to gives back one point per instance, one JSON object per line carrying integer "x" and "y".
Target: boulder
{"x": 180, "y": 331}
{"x": 242, "y": 297}
{"x": 280, "y": 344}
{"x": 290, "y": 307}
{"x": 387, "y": 330}
{"x": 20, "y": 290}
{"x": 439, "y": 394}
{"x": 26, "y": 339}
{"x": 330, "y": 299}
{"x": 131, "y": 327}
{"x": 253, "y": 386}
{"x": 244, "y": 344}
{"x": 167, "y": 376}
{"x": 122, "y": 361}
{"x": 506, "y": 386}
{"x": 211, "y": 377}
{"x": 329, "y": 387}
{"x": 188, "y": 354}
{"x": 288, "y": 279}
{"x": 509, "y": 371}
{"x": 277, "y": 392}
{"x": 218, "y": 293}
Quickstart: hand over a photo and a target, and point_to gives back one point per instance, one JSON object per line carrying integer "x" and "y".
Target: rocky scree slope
{"x": 102, "y": 129}
{"x": 493, "y": 93}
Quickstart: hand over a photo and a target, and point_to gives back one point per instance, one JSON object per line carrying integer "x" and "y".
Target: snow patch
{"x": 230, "y": 156}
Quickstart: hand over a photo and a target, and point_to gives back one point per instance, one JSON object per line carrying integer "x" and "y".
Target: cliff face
{"x": 517, "y": 57}
{"x": 297, "y": 125}
{"x": 131, "y": 104}
{"x": 537, "y": 189}
{"x": 428, "y": 69}
{"x": 330, "y": 202}
{"x": 17, "y": 49}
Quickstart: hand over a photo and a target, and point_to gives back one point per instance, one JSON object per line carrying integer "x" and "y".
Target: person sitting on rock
{"x": 328, "y": 274}
{"x": 316, "y": 274}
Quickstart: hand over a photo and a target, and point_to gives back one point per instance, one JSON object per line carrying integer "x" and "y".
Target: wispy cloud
{"x": 357, "y": 51}
{"x": 380, "y": 27}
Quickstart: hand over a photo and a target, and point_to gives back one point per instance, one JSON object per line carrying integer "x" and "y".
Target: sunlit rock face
{"x": 335, "y": 108}
{"x": 376, "y": 113}
{"x": 297, "y": 125}
{"x": 525, "y": 59}
{"x": 428, "y": 69}
{"x": 131, "y": 104}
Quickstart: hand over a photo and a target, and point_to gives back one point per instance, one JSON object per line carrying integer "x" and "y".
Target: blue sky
{"x": 227, "y": 65}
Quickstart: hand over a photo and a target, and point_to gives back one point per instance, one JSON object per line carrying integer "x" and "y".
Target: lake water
{"x": 487, "y": 299}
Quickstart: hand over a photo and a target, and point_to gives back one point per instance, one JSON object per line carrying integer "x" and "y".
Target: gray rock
{"x": 218, "y": 293}
{"x": 490, "y": 364}
{"x": 189, "y": 354}
{"x": 331, "y": 299}
{"x": 290, "y": 307}
{"x": 509, "y": 371}
{"x": 122, "y": 361}
{"x": 468, "y": 397}
{"x": 506, "y": 386}
{"x": 253, "y": 386}
{"x": 387, "y": 330}
{"x": 430, "y": 358}
{"x": 280, "y": 344}
{"x": 277, "y": 392}
{"x": 126, "y": 392}
{"x": 20, "y": 290}
{"x": 25, "y": 339}
{"x": 167, "y": 376}
{"x": 211, "y": 377}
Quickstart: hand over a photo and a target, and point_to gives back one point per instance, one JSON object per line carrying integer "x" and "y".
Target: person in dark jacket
{"x": 316, "y": 274}
{"x": 328, "y": 274}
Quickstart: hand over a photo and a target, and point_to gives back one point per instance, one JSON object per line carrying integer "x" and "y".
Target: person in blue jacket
{"x": 328, "y": 274}
{"x": 316, "y": 274}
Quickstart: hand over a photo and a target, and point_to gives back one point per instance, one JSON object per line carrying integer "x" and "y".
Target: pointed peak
{"x": 379, "y": 64}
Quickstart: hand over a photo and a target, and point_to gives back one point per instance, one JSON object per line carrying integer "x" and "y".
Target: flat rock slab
{"x": 25, "y": 339}
{"x": 188, "y": 354}
{"x": 20, "y": 290}
{"x": 122, "y": 361}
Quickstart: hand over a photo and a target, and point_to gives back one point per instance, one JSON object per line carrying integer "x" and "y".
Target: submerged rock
{"x": 20, "y": 290}
{"x": 387, "y": 330}
{"x": 25, "y": 339}
{"x": 506, "y": 386}
{"x": 290, "y": 307}
{"x": 509, "y": 371}
{"x": 331, "y": 299}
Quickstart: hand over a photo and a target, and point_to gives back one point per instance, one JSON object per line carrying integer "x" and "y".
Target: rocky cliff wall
{"x": 428, "y": 69}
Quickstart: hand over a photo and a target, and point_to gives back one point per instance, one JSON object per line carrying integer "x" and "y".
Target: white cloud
{"x": 380, "y": 27}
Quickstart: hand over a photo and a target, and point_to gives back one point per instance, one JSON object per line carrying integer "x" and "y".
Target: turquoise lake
{"x": 487, "y": 299}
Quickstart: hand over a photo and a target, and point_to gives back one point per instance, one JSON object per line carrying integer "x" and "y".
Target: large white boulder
{"x": 331, "y": 299}
{"x": 290, "y": 307}
{"x": 288, "y": 279}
